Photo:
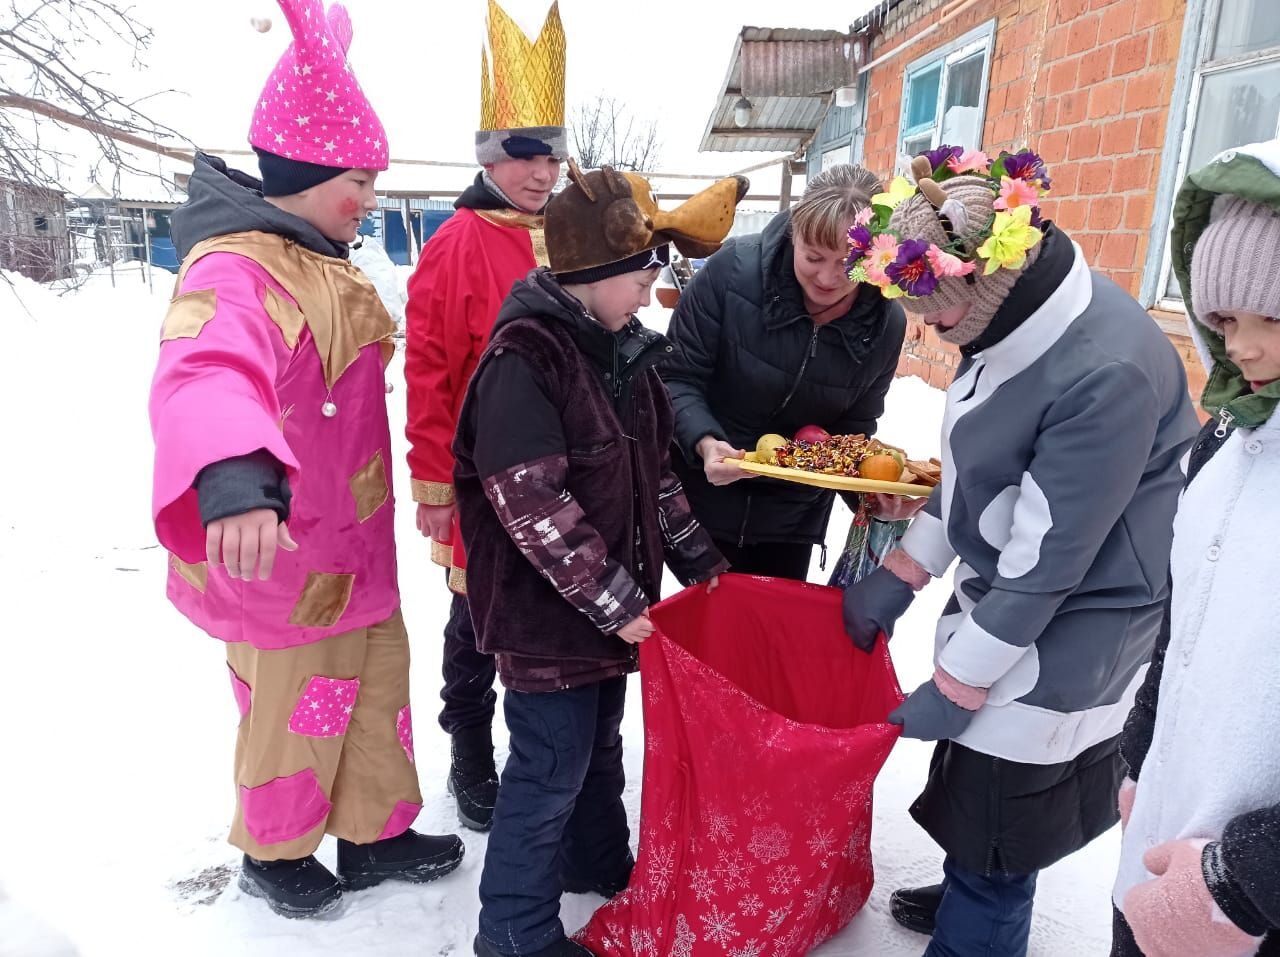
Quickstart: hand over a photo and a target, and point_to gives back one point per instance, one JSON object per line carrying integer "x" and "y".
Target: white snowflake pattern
{"x": 776, "y": 918}
{"x": 682, "y": 945}
{"x": 642, "y": 943}
{"x": 822, "y": 842}
{"x": 784, "y": 879}
{"x": 719, "y": 827}
{"x": 813, "y": 817}
{"x": 662, "y": 867}
{"x": 752, "y": 948}
{"x": 734, "y": 870}
{"x": 669, "y": 819}
{"x": 856, "y": 849}
{"x": 751, "y": 905}
{"x": 702, "y": 883}
{"x": 719, "y": 927}
{"x": 770, "y": 843}
{"x": 756, "y": 808}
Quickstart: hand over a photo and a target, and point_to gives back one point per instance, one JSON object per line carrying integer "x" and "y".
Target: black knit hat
{"x": 654, "y": 258}
{"x": 284, "y": 177}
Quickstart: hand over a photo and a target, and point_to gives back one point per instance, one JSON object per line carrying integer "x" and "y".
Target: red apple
{"x": 812, "y": 433}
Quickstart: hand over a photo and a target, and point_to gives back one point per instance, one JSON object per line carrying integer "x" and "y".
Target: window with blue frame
{"x": 944, "y": 95}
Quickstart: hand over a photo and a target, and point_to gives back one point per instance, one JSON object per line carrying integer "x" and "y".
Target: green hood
{"x": 1252, "y": 173}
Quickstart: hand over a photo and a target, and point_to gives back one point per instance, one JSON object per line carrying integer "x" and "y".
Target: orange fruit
{"x": 880, "y": 468}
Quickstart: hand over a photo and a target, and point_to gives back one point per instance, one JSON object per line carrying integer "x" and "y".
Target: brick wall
{"x": 1087, "y": 84}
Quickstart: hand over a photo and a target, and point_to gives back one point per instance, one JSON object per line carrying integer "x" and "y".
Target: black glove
{"x": 930, "y": 715}
{"x": 873, "y": 605}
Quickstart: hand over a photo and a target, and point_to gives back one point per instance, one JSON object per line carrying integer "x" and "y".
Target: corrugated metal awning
{"x": 788, "y": 77}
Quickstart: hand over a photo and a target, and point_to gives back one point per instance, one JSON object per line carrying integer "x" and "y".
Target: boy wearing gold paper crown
{"x": 466, "y": 269}
{"x": 1064, "y": 429}
{"x": 568, "y": 508}
{"x": 270, "y": 377}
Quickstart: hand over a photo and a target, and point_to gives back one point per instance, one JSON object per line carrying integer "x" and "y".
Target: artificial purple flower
{"x": 911, "y": 271}
{"x": 859, "y": 241}
{"x": 1036, "y": 219}
{"x": 939, "y": 158}
{"x": 1026, "y": 165}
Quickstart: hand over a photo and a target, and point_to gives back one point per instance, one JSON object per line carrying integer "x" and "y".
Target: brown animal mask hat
{"x": 606, "y": 223}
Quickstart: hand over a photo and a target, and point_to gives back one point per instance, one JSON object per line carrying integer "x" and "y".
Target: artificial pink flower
{"x": 970, "y": 161}
{"x": 945, "y": 264}
{"x": 864, "y": 217}
{"x": 883, "y": 251}
{"x": 1015, "y": 193}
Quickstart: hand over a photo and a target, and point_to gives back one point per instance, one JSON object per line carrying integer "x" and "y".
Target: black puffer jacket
{"x": 749, "y": 360}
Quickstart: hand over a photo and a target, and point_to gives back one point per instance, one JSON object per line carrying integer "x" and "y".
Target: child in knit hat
{"x": 269, "y": 405}
{"x": 1061, "y": 443}
{"x": 1200, "y": 861}
{"x": 568, "y": 508}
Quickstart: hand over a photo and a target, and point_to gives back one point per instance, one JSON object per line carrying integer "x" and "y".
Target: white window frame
{"x": 979, "y": 40}
{"x": 1194, "y": 65}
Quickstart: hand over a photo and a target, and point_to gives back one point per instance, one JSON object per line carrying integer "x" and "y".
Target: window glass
{"x": 1246, "y": 26}
{"x": 922, "y": 103}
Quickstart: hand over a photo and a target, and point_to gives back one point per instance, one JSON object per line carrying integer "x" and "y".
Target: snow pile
{"x": 120, "y": 724}
{"x": 374, "y": 262}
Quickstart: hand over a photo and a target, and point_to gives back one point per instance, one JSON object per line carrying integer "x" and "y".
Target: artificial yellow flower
{"x": 1011, "y": 236}
{"x": 899, "y": 190}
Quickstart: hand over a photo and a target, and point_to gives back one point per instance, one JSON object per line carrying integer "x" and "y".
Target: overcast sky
{"x": 419, "y": 63}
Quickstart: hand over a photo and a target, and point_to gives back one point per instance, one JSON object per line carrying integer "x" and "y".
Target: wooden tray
{"x": 841, "y": 483}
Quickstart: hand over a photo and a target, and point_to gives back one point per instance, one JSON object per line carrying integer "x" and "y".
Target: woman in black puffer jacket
{"x": 769, "y": 337}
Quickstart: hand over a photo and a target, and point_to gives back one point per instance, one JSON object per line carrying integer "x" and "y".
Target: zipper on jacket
{"x": 795, "y": 386}
{"x": 742, "y": 532}
{"x": 822, "y": 558}
{"x": 993, "y": 819}
{"x": 1225, "y": 418}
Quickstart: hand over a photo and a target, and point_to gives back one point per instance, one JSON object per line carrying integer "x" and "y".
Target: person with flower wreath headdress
{"x": 1064, "y": 430}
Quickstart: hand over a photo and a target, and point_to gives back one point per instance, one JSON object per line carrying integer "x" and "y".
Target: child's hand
{"x": 716, "y": 459}
{"x": 636, "y": 630}
{"x": 713, "y": 583}
{"x": 247, "y": 543}
{"x": 436, "y": 522}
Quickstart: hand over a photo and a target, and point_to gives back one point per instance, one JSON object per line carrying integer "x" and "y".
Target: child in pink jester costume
{"x": 269, "y": 404}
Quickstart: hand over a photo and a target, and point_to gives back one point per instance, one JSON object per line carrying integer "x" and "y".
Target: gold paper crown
{"x": 526, "y": 86}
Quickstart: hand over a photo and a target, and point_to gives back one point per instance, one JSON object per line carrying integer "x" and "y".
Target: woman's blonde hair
{"x": 830, "y": 202}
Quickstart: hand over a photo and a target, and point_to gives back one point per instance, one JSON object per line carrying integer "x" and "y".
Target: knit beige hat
{"x": 968, "y": 210}
{"x": 1235, "y": 265}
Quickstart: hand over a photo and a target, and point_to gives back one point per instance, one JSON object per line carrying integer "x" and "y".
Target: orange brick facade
{"x": 1088, "y": 85}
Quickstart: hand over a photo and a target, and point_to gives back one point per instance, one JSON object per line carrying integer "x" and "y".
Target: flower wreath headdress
{"x": 878, "y": 255}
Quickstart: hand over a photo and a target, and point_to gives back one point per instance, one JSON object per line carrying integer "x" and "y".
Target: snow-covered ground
{"x": 119, "y": 725}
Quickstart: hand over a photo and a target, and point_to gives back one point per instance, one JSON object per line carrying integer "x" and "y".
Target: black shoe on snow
{"x": 916, "y": 908}
{"x": 606, "y": 888}
{"x": 416, "y": 858}
{"x": 473, "y": 777}
{"x": 561, "y": 948}
{"x": 302, "y": 888}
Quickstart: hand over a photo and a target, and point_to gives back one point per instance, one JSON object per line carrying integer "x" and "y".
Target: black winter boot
{"x": 561, "y": 948}
{"x": 915, "y": 908}
{"x": 413, "y": 857}
{"x": 301, "y": 888}
{"x": 473, "y": 777}
{"x": 606, "y": 887}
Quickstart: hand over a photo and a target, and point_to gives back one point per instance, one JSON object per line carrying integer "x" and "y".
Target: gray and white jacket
{"x": 1061, "y": 449}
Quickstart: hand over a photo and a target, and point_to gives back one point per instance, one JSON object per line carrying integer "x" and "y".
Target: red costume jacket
{"x": 466, "y": 270}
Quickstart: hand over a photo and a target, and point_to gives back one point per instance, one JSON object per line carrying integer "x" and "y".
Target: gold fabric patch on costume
{"x": 338, "y": 302}
{"x": 442, "y": 555}
{"x": 369, "y": 487}
{"x": 539, "y": 239}
{"x": 285, "y": 315}
{"x": 431, "y": 493}
{"x": 323, "y": 600}
{"x": 197, "y": 576}
{"x": 188, "y": 314}
{"x": 458, "y": 581}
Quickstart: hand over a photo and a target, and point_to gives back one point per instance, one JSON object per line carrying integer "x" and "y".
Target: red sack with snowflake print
{"x": 764, "y": 731}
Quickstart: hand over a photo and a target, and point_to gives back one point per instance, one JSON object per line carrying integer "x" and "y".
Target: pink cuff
{"x": 907, "y": 568}
{"x": 958, "y": 693}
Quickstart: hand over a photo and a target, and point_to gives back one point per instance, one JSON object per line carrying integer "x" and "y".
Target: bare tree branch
{"x": 606, "y": 133}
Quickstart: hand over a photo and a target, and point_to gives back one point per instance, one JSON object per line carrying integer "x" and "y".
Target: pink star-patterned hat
{"x": 312, "y": 109}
